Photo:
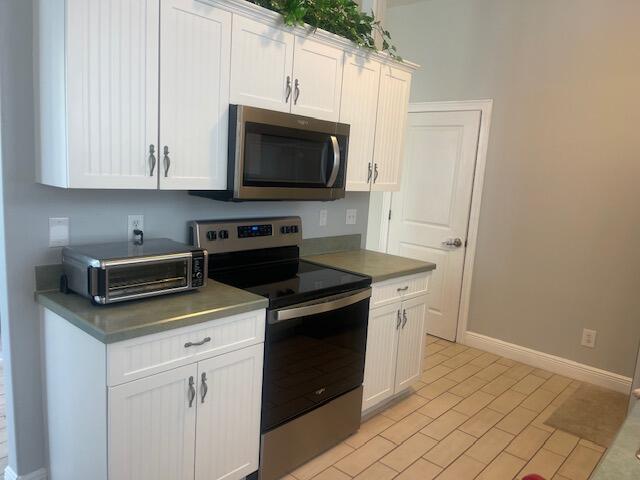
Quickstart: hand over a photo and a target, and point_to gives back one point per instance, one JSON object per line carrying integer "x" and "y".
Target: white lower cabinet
{"x": 228, "y": 426}
{"x": 196, "y": 417}
{"x": 152, "y": 427}
{"x": 395, "y": 344}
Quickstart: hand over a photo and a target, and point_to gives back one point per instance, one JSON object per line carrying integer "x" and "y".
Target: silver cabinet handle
{"x": 288, "y": 94}
{"x": 369, "y": 173}
{"x": 296, "y": 95}
{"x": 399, "y": 321}
{"x": 167, "y": 161}
{"x": 375, "y": 173}
{"x": 336, "y": 161}
{"x": 197, "y": 344}
{"x": 404, "y": 318}
{"x": 152, "y": 160}
{"x": 204, "y": 389}
{"x": 192, "y": 392}
{"x": 403, "y": 289}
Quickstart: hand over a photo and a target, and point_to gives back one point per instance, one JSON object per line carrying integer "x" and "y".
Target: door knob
{"x": 453, "y": 242}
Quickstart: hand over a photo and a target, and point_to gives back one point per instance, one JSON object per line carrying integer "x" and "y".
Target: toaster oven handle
{"x": 336, "y": 161}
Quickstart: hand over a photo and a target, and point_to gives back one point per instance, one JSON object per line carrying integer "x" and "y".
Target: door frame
{"x": 485, "y": 107}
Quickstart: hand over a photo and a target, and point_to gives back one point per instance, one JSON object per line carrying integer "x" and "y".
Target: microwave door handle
{"x": 336, "y": 161}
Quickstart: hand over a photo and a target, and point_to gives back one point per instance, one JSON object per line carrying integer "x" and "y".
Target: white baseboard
{"x": 546, "y": 361}
{"x": 9, "y": 474}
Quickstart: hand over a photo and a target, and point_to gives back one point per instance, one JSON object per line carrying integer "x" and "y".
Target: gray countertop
{"x": 379, "y": 266}
{"x": 122, "y": 321}
{"x": 620, "y": 462}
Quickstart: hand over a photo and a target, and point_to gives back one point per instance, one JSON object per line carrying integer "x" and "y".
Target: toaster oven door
{"x": 145, "y": 278}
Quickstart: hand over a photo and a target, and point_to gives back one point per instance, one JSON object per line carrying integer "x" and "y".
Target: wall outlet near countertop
{"x": 322, "y": 221}
{"x": 352, "y": 215}
{"x": 58, "y": 231}
{"x": 134, "y": 222}
{"x": 588, "y": 338}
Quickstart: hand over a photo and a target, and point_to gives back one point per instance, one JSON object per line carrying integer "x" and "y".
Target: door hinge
{"x": 389, "y": 214}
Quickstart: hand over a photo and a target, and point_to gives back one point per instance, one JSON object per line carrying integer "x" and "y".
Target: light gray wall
{"x": 94, "y": 216}
{"x": 559, "y": 239}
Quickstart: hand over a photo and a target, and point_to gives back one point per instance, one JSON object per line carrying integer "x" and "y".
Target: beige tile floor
{"x": 472, "y": 415}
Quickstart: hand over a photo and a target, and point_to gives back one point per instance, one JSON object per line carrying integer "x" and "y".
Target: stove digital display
{"x": 248, "y": 231}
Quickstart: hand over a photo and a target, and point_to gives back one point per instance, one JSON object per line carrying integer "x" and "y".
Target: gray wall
{"x": 559, "y": 239}
{"x": 94, "y": 216}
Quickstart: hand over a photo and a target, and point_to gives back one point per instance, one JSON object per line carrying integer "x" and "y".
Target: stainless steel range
{"x": 315, "y": 340}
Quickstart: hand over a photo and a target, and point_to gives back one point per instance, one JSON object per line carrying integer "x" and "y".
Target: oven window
{"x": 141, "y": 278}
{"x": 312, "y": 360}
{"x": 286, "y": 157}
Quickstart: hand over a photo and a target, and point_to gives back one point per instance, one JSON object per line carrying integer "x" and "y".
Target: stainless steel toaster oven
{"x": 119, "y": 271}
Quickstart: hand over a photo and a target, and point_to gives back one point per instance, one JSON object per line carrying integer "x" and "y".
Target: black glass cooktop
{"x": 289, "y": 282}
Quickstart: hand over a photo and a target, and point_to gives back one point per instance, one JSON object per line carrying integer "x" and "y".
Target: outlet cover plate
{"x": 352, "y": 216}
{"x": 322, "y": 221}
{"x": 134, "y": 222}
{"x": 59, "y": 231}
{"x": 588, "y": 338}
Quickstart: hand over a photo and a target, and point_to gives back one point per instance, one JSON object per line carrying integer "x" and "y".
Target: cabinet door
{"x": 361, "y": 79}
{"x": 112, "y": 93}
{"x": 261, "y": 65}
{"x": 228, "y": 429}
{"x": 393, "y": 102}
{"x": 152, "y": 428}
{"x": 317, "y": 84}
{"x": 195, "y": 57}
{"x": 411, "y": 343}
{"x": 380, "y": 362}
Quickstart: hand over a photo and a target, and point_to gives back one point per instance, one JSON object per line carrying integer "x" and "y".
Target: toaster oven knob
{"x": 211, "y": 235}
{"x": 224, "y": 234}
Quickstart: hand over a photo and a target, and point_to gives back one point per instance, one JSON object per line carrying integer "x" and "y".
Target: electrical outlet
{"x": 134, "y": 222}
{"x": 59, "y": 232}
{"x": 588, "y": 338}
{"x": 352, "y": 214}
{"x": 323, "y": 218}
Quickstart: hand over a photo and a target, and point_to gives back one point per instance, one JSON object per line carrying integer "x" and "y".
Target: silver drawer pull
{"x": 403, "y": 289}
{"x": 197, "y": 344}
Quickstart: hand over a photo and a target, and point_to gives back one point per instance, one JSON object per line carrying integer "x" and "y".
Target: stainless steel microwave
{"x": 281, "y": 156}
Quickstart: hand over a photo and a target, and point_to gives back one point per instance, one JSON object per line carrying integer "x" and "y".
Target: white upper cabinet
{"x": 393, "y": 99}
{"x": 195, "y": 56}
{"x": 361, "y": 80}
{"x": 317, "y": 79}
{"x": 261, "y": 65}
{"x": 101, "y": 56}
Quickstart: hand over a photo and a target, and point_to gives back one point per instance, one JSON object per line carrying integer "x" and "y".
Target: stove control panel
{"x": 223, "y": 236}
{"x": 245, "y": 231}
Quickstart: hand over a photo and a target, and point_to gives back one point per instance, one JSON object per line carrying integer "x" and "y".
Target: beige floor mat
{"x": 593, "y": 413}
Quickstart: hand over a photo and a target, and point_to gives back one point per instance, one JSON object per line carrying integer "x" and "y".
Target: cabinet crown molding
{"x": 274, "y": 19}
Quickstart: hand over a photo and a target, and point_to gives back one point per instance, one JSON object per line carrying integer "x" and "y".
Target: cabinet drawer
{"x": 389, "y": 291}
{"x": 144, "y": 356}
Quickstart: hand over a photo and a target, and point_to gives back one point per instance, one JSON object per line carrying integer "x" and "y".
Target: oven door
{"x": 287, "y": 157}
{"x": 314, "y": 352}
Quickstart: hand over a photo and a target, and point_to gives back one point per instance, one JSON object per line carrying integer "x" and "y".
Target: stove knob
{"x": 294, "y": 229}
{"x": 285, "y": 229}
{"x": 211, "y": 235}
{"x": 224, "y": 234}
{"x": 198, "y": 274}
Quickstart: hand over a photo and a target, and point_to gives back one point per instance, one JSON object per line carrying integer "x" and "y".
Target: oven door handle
{"x": 336, "y": 161}
{"x": 326, "y": 305}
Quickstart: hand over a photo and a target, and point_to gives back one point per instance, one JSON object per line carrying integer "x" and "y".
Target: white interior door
{"x": 195, "y": 49}
{"x": 432, "y": 207}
